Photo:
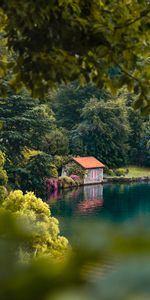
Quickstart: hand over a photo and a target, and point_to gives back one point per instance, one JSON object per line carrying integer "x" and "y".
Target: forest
{"x": 39, "y": 135}
{"x": 74, "y": 81}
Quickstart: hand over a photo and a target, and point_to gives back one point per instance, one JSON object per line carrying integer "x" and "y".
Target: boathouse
{"x": 93, "y": 169}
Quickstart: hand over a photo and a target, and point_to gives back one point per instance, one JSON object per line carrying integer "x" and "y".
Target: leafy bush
{"x": 3, "y": 176}
{"x": 28, "y": 153}
{"x": 61, "y": 161}
{"x": 120, "y": 172}
{"x": 109, "y": 172}
{"x": 3, "y": 192}
{"x": 125, "y": 268}
{"x": 76, "y": 178}
{"x": 65, "y": 181}
{"x": 36, "y": 215}
{"x": 32, "y": 175}
{"x": 53, "y": 171}
{"x": 2, "y": 159}
{"x": 73, "y": 168}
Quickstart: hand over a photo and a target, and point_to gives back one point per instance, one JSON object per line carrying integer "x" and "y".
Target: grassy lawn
{"x": 135, "y": 171}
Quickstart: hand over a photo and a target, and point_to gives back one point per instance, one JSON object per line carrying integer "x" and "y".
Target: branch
{"x": 129, "y": 75}
{"x": 142, "y": 15}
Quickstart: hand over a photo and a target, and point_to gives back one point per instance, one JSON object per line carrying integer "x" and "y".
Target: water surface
{"x": 116, "y": 203}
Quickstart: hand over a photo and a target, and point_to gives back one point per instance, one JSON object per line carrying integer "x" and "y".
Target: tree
{"x": 25, "y": 122}
{"x": 145, "y": 145}
{"x": 32, "y": 173}
{"x": 56, "y": 142}
{"x": 102, "y": 41}
{"x": 103, "y": 132}
{"x": 36, "y": 216}
{"x": 135, "y": 136}
{"x": 121, "y": 253}
{"x": 138, "y": 136}
{"x": 3, "y": 176}
{"x": 29, "y": 137}
{"x": 68, "y": 100}
{"x": 28, "y": 122}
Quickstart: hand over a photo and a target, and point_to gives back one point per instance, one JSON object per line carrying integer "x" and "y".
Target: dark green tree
{"x": 33, "y": 174}
{"x": 139, "y": 136}
{"x": 27, "y": 122}
{"x": 145, "y": 145}
{"x": 103, "y": 132}
{"x": 3, "y": 177}
{"x": 57, "y": 41}
{"x": 68, "y": 101}
{"x": 29, "y": 137}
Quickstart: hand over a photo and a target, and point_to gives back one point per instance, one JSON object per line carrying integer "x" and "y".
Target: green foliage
{"x": 108, "y": 171}
{"x": 119, "y": 140}
{"x": 57, "y": 142}
{"x": 102, "y": 41}
{"x": 29, "y": 134}
{"x": 29, "y": 153}
{"x": 120, "y": 254}
{"x": 60, "y": 161}
{"x": 53, "y": 171}
{"x": 103, "y": 132}
{"x": 145, "y": 145}
{"x": 73, "y": 168}
{"x": 36, "y": 214}
{"x": 33, "y": 175}
{"x": 120, "y": 172}
{"x": 139, "y": 137}
{"x": 69, "y": 100}
{"x": 66, "y": 182}
{"x": 3, "y": 176}
{"x": 25, "y": 124}
{"x": 2, "y": 159}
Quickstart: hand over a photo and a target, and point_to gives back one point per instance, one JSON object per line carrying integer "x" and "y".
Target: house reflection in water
{"x": 93, "y": 195}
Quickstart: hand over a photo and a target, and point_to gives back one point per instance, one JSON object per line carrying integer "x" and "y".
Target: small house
{"x": 93, "y": 169}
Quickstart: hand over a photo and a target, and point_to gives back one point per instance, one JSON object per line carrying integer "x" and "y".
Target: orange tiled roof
{"x": 89, "y": 162}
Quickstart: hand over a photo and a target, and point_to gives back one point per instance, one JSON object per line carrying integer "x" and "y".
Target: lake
{"x": 113, "y": 203}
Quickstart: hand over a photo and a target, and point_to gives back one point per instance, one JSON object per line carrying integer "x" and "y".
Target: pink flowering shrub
{"x": 75, "y": 177}
{"x": 52, "y": 184}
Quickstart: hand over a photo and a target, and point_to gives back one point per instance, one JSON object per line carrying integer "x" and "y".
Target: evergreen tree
{"x": 68, "y": 101}
{"x": 103, "y": 132}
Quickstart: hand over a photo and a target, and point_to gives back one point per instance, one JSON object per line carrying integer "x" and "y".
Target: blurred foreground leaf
{"x": 44, "y": 278}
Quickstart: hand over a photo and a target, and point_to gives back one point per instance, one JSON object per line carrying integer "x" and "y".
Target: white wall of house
{"x": 63, "y": 172}
{"x": 93, "y": 192}
{"x": 93, "y": 176}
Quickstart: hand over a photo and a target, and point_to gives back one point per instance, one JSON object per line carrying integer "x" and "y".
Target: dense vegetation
{"x": 103, "y": 125}
{"x": 110, "y": 47}
{"x": 39, "y": 136}
{"x": 45, "y": 44}
{"x": 102, "y": 41}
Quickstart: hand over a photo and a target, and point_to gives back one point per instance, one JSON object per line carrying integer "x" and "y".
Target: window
{"x": 94, "y": 174}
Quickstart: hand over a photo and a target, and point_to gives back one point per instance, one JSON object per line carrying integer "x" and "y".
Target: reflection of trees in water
{"x": 77, "y": 200}
{"x": 71, "y": 193}
{"x": 116, "y": 202}
{"x": 89, "y": 205}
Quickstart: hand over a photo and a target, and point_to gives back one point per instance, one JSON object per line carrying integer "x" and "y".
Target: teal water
{"x": 116, "y": 203}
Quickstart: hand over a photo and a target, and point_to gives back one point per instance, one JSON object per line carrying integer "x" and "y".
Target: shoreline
{"x": 116, "y": 179}
{"x": 122, "y": 179}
